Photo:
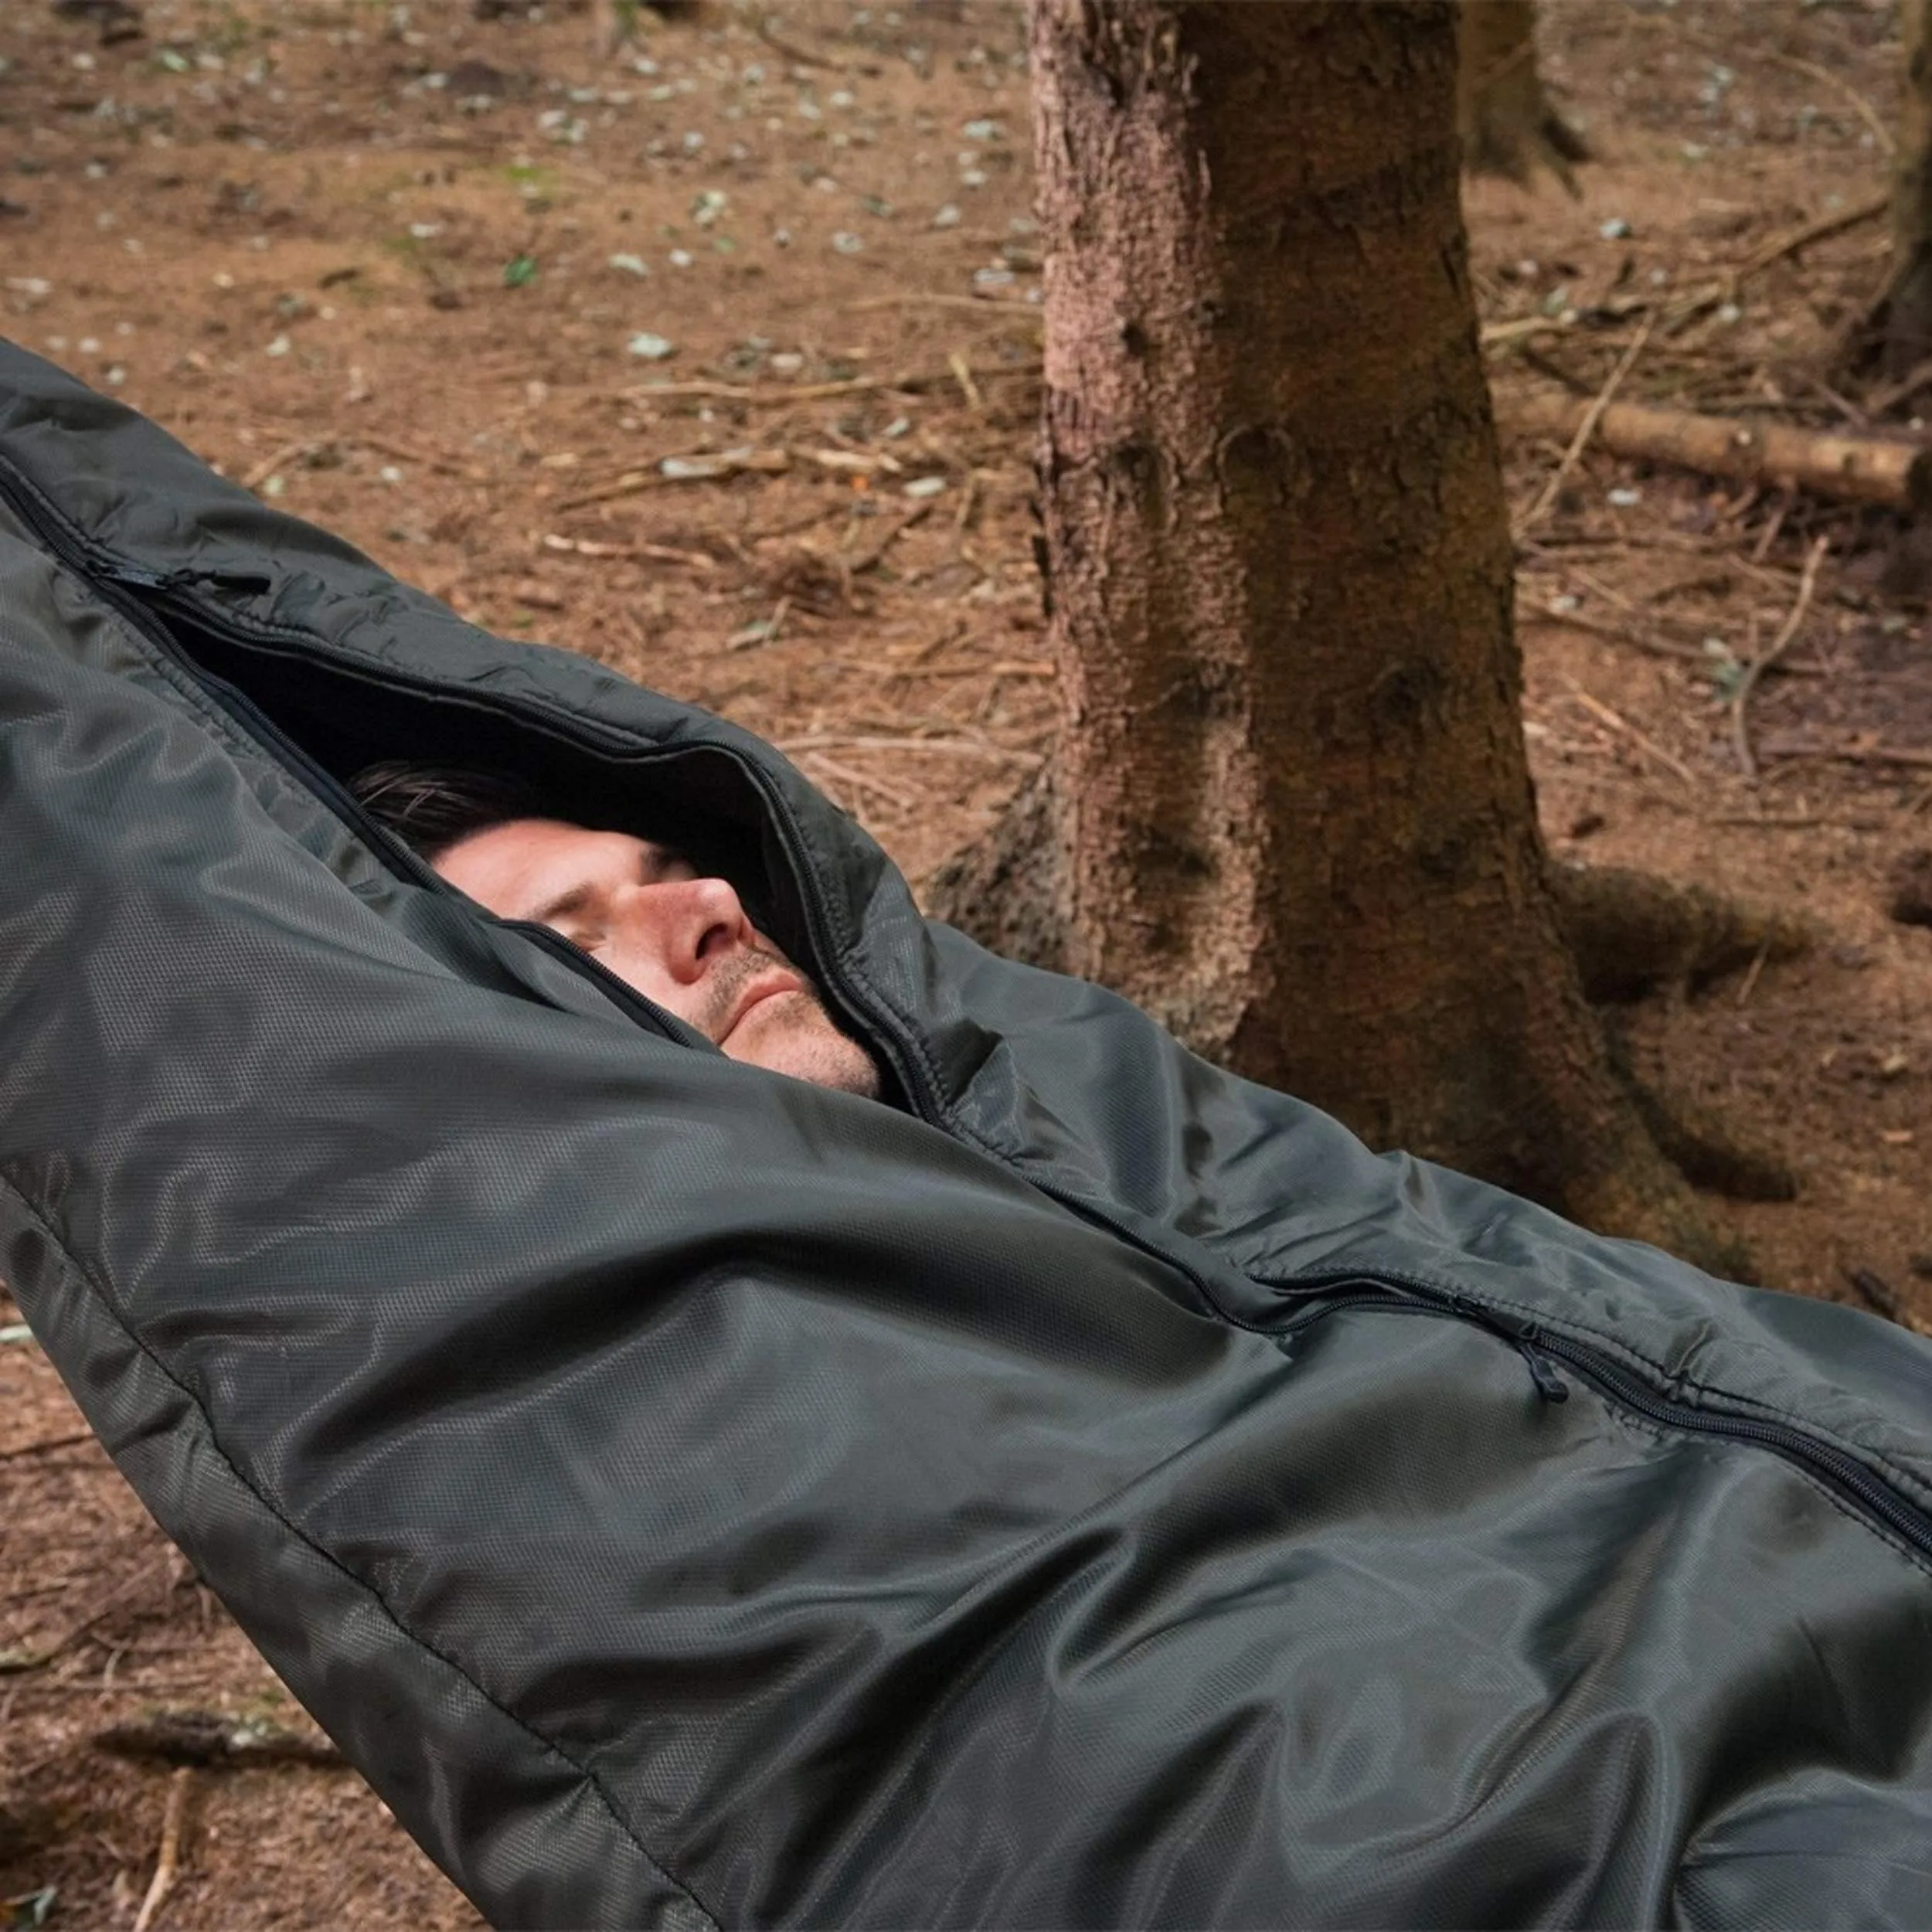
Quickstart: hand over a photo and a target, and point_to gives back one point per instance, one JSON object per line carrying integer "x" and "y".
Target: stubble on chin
{"x": 791, "y": 1032}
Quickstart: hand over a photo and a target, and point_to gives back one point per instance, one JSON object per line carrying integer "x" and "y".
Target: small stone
{"x": 650, "y": 348}
{"x": 925, "y": 486}
{"x": 948, "y": 216}
{"x": 1616, "y": 229}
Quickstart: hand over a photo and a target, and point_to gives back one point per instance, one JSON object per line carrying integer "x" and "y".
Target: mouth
{"x": 755, "y": 996}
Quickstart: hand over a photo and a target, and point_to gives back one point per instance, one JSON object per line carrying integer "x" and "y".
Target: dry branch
{"x": 209, "y": 1739}
{"x": 1747, "y": 682}
{"x": 1856, "y": 469}
{"x": 912, "y": 381}
{"x": 1593, "y": 413}
{"x": 168, "y": 1862}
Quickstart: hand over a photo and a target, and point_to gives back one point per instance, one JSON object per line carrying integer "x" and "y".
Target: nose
{"x": 692, "y": 925}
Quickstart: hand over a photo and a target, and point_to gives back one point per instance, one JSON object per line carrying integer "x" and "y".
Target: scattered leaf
{"x": 629, "y": 264}
{"x": 519, "y": 271}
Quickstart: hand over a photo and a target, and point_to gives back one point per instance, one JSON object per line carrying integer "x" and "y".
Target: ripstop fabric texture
{"x": 1089, "y": 1491}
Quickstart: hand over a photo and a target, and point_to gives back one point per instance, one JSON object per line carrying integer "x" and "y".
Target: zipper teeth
{"x": 1842, "y": 1471}
{"x": 1795, "y": 1444}
{"x": 112, "y": 578}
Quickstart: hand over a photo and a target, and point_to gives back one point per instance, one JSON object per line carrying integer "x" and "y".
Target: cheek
{"x": 641, "y": 973}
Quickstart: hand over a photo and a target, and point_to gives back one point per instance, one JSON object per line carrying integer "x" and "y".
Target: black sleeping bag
{"x": 1088, "y": 1491}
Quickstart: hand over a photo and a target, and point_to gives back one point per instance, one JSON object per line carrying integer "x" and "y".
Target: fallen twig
{"x": 426, "y": 459}
{"x": 1591, "y": 415}
{"x": 259, "y": 474}
{"x": 1747, "y": 680}
{"x": 657, "y": 553}
{"x": 14, "y": 1662}
{"x": 50, "y": 1443}
{"x": 1859, "y": 469}
{"x": 769, "y": 34}
{"x": 1749, "y": 983}
{"x": 916, "y": 298}
{"x": 1618, "y": 722}
{"x": 693, "y": 469}
{"x": 209, "y": 1739}
{"x": 1888, "y": 395}
{"x": 174, "y": 1814}
{"x": 846, "y": 775}
{"x": 869, "y": 558}
{"x": 963, "y": 371}
{"x": 912, "y": 382}
{"x": 1853, "y": 754}
{"x": 957, "y": 747}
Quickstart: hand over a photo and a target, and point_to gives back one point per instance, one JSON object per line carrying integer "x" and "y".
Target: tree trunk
{"x": 1906, "y": 305}
{"x": 1508, "y": 127}
{"x": 1293, "y": 804}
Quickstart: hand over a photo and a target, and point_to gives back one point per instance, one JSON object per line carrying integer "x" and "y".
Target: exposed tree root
{"x": 1632, "y": 934}
{"x": 1707, "y": 1151}
{"x": 1004, "y": 890}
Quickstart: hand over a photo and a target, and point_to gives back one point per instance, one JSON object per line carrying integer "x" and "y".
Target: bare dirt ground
{"x": 458, "y": 287}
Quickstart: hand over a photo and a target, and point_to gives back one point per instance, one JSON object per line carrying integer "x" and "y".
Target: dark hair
{"x": 434, "y": 807}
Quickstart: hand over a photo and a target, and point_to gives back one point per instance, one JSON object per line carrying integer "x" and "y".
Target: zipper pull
{"x": 137, "y": 576}
{"x": 256, "y": 583}
{"x": 1549, "y": 1385}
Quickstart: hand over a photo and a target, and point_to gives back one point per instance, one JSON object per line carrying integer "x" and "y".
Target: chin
{"x": 809, "y": 1047}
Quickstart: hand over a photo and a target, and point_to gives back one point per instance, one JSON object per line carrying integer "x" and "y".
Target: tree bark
{"x": 1906, "y": 305}
{"x": 1508, "y": 127}
{"x": 1293, "y": 811}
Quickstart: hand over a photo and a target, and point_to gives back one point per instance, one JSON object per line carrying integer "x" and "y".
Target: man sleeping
{"x": 641, "y": 908}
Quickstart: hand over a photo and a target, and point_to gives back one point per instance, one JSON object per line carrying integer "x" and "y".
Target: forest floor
{"x": 456, "y": 288}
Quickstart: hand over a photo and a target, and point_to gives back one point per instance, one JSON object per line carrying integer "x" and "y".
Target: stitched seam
{"x": 589, "y": 1775}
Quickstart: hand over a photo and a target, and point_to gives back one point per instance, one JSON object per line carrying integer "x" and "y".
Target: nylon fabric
{"x": 1089, "y": 1491}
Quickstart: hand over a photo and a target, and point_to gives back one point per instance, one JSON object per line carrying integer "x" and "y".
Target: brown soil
{"x": 295, "y": 233}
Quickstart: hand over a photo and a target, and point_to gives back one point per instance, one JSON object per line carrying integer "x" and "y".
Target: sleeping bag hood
{"x": 1084, "y": 1490}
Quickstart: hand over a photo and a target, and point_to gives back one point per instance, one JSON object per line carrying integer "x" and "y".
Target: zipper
{"x": 1542, "y": 1351}
{"x": 128, "y": 587}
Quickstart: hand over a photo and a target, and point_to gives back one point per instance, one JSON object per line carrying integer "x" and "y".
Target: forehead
{"x": 523, "y": 863}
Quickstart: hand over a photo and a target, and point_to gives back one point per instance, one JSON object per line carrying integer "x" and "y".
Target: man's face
{"x": 683, "y": 941}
